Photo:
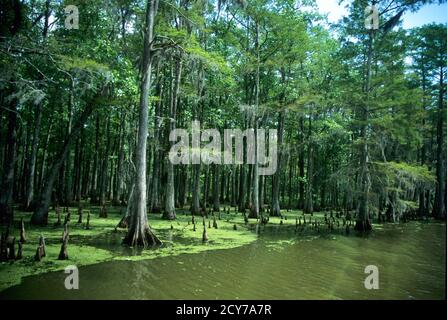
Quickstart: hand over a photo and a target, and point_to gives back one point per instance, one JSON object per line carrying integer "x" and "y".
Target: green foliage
{"x": 400, "y": 176}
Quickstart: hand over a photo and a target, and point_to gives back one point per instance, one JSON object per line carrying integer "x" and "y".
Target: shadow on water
{"x": 281, "y": 264}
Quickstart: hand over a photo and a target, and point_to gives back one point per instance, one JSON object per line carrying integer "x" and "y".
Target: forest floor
{"x": 103, "y": 243}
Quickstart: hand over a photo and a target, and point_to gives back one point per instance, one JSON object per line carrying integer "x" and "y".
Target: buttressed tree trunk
{"x": 139, "y": 233}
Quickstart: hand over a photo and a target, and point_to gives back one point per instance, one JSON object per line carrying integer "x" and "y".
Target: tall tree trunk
{"x": 206, "y": 187}
{"x": 40, "y": 215}
{"x": 183, "y": 185}
{"x": 104, "y": 166}
{"x": 301, "y": 166}
{"x": 422, "y": 211}
{"x": 223, "y": 186}
{"x": 233, "y": 186}
{"x": 289, "y": 189}
{"x": 29, "y": 195}
{"x": 275, "y": 208}
{"x": 155, "y": 205}
{"x": 169, "y": 211}
{"x": 21, "y": 171}
{"x": 254, "y": 212}
{"x": 363, "y": 223}
{"x": 78, "y": 160}
{"x": 68, "y": 196}
{"x": 242, "y": 188}
{"x": 308, "y": 200}
{"x": 118, "y": 185}
{"x": 216, "y": 191}
{"x": 439, "y": 207}
{"x": 139, "y": 233}
{"x": 248, "y": 188}
{"x": 95, "y": 175}
{"x": 44, "y": 156}
{"x": 7, "y": 186}
{"x": 32, "y": 164}
{"x": 195, "y": 208}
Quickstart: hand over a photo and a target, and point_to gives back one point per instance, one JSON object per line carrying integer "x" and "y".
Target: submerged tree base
{"x": 168, "y": 215}
{"x": 142, "y": 238}
{"x": 363, "y": 226}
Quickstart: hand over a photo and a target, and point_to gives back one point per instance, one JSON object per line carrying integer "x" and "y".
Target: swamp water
{"x": 278, "y": 265}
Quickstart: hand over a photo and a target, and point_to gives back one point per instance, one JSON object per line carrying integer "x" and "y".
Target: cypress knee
{"x": 40, "y": 251}
{"x": 19, "y": 251}
{"x": 204, "y": 235}
{"x": 87, "y": 226}
{"x": 63, "y": 255}
{"x": 42, "y": 245}
{"x": 11, "y": 248}
{"x": 215, "y": 223}
{"x": 22, "y": 231}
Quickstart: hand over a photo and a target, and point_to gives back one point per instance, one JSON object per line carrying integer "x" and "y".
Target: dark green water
{"x": 410, "y": 258}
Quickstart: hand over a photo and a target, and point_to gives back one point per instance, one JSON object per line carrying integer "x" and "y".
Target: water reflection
{"x": 279, "y": 265}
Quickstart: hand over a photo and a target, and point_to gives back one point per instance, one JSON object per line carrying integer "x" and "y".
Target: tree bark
{"x": 118, "y": 183}
{"x": 68, "y": 195}
{"x": 195, "y": 208}
{"x": 44, "y": 156}
{"x": 32, "y": 164}
{"x": 363, "y": 223}
{"x": 301, "y": 166}
{"x": 275, "y": 208}
{"x": 308, "y": 200}
{"x": 254, "y": 212}
{"x": 94, "y": 185}
{"x": 169, "y": 211}
{"x": 422, "y": 211}
{"x": 139, "y": 233}
{"x": 439, "y": 207}
{"x": 104, "y": 166}
{"x": 216, "y": 193}
{"x": 155, "y": 205}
